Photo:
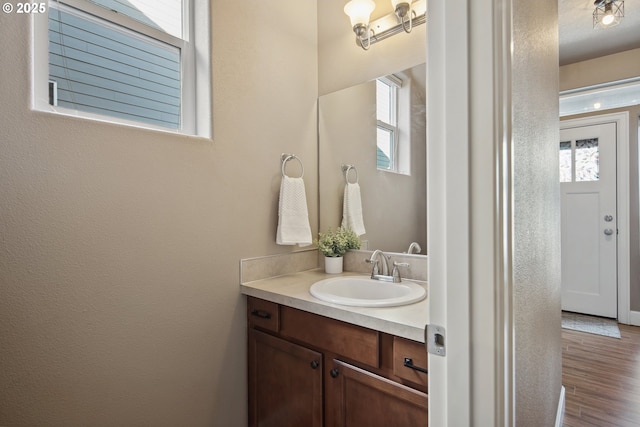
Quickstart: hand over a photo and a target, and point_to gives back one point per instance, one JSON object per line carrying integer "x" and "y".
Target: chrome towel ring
{"x": 346, "y": 169}
{"x": 284, "y": 158}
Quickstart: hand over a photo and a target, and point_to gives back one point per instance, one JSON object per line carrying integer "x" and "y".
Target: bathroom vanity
{"x": 318, "y": 364}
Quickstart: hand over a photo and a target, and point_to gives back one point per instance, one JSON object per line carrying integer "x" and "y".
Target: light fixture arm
{"x": 405, "y": 14}
{"x": 363, "y": 33}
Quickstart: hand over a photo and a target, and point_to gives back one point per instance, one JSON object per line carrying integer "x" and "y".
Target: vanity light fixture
{"x": 406, "y": 15}
{"x": 359, "y": 12}
{"x": 607, "y": 13}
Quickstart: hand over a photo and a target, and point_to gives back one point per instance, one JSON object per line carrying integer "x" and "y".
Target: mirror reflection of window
{"x": 387, "y": 121}
{"x": 393, "y": 114}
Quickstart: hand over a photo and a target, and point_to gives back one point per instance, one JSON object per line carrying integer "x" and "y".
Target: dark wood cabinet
{"x": 355, "y": 397}
{"x": 285, "y": 383}
{"x": 309, "y": 370}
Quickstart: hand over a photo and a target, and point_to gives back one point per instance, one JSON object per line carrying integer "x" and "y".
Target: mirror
{"x": 349, "y": 133}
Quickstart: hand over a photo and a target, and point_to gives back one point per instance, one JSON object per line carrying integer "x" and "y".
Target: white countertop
{"x": 292, "y": 290}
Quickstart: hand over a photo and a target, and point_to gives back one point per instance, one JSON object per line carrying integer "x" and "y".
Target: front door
{"x": 588, "y": 209}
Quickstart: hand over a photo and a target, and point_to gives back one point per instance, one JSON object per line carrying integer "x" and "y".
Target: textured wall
{"x": 119, "y": 247}
{"x": 536, "y": 255}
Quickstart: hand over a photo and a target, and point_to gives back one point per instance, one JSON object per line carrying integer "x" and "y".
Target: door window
{"x": 579, "y": 160}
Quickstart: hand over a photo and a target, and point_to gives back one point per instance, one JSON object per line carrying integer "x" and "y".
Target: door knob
{"x": 608, "y": 232}
{"x": 608, "y": 218}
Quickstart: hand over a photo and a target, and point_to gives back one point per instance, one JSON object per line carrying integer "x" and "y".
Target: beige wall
{"x": 343, "y": 64}
{"x": 610, "y": 68}
{"x": 603, "y": 70}
{"x": 119, "y": 247}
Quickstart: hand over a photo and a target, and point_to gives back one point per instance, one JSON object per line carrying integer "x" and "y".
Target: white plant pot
{"x": 333, "y": 265}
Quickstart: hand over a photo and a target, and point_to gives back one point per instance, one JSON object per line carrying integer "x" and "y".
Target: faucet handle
{"x": 375, "y": 270}
{"x": 396, "y": 272}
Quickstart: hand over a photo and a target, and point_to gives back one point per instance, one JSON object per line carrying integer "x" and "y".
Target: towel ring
{"x": 346, "y": 169}
{"x": 284, "y": 158}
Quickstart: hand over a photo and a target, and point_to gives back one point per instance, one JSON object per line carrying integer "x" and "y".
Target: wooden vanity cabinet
{"x": 285, "y": 383}
{"x": 356, "y": 397}
{"x": 310, "y": 370}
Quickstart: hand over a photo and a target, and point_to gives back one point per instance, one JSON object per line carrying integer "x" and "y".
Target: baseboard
{"x": 634, "y": 318}
{"x": 560, "y": 413}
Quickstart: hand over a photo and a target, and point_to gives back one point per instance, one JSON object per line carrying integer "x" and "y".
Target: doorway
{"x": 595, "y": 219}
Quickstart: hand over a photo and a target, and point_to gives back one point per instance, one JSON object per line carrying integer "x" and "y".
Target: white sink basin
{"x": 362, "y": 291}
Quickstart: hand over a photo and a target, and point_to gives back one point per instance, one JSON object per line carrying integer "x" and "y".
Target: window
{"x": 579, "y": 160}
{"x": 126, "y": 61}
{"x": 600, "y": 97}
{"x": 387, "y": 122}
{"x": 393, "y": 119}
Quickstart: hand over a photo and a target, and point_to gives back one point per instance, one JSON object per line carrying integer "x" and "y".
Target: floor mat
{"x": 590, "y": 324}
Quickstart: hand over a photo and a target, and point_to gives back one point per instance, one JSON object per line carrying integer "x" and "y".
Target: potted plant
{"x": 334, "y": 244}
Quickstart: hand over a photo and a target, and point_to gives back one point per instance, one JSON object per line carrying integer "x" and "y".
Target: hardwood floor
{"x": 601, "y": 376}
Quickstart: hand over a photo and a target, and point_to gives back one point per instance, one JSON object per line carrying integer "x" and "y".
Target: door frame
{"x": 621, "y": 120}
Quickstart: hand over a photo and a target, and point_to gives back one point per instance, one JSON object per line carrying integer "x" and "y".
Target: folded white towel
{"x": 352, "y": 209}
{"x": 293, "y": 216}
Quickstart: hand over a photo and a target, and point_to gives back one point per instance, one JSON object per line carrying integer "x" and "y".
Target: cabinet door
{"x": 358, "y": 398}
{"x": 285, "y": 383}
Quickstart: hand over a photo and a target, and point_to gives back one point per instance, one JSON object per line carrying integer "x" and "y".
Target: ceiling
{"x": 579, "y": 41}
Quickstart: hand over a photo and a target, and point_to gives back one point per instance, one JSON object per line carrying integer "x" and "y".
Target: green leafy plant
{"x": 336, "y": 243}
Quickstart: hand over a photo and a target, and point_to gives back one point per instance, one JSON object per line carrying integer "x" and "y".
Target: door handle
{"x": 608, "y": 232}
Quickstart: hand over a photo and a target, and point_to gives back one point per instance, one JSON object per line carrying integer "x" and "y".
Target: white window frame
{"x": 400, "y": 125}
{"x": 392, "y": 126}
{"x": 195, "y": 114}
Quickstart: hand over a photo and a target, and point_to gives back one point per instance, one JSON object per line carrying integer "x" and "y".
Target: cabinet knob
{"x": 334, "y": 373}
{"x": 315, "y": 364}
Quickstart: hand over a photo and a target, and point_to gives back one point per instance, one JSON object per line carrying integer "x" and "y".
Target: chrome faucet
{"x": 375, "y": 271}
{"x": 385, "y": 263}
{"x": 412, "y": 246}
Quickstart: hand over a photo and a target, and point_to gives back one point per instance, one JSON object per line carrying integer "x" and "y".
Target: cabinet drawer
{"x": 409, "y": 359}
{"x": 264, "y": 314}
{"x": 350, "y": 341}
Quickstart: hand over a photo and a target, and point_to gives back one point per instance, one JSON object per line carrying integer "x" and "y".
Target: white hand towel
{"x": 293, "y": 216}
{"x": 352, "y": 209}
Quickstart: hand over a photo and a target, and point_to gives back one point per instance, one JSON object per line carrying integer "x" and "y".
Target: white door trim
{"x": 622, "y": 155}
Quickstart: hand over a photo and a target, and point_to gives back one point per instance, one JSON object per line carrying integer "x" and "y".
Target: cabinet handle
{"x": 261, "y": 314}
{"x": 408, "y": 362}
{"x": 314, "y": 364}
{"x": 334, "y": 373}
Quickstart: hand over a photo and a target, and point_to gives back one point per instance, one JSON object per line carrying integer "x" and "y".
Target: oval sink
{"x": 362, "y": 291}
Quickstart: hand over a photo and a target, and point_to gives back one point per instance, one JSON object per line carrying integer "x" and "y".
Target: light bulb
{"x": 608, "y": 18}
{"x": 359, "y": 11}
